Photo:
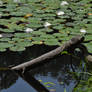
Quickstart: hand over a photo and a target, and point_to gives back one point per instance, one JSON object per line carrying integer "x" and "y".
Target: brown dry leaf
{"x": 89, "y": 13}
{"x": 28, "y": 15}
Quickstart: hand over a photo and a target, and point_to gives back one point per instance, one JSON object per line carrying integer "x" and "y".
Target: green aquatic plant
{"x": 84, "y": 86}
{"x": 51, "y": 22}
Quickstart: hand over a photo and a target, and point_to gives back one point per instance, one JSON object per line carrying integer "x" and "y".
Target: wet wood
{"x": 74, "y": 41}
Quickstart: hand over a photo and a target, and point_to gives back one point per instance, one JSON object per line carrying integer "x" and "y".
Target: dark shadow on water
{"x": 58, "y": 70}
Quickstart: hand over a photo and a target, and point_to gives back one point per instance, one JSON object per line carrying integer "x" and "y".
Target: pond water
{"x": 54, "y": 75}
{"x": 17, "y": 16}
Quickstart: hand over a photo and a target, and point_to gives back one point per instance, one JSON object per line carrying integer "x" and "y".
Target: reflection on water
{"x": 56, "y": 71}
{"x": 19, "y": 86}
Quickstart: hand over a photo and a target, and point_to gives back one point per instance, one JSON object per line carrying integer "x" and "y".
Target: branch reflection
{"x": 58, "y": 68}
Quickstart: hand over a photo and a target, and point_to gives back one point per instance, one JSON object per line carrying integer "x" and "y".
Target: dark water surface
{"x": 54, "y": 75}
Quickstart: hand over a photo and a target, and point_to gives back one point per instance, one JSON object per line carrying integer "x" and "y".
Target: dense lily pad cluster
{"x": 24, "y": 23}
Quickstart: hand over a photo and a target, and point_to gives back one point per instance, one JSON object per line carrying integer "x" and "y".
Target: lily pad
{"x": 16, "y": 17}
{"x": 17, "y": 48}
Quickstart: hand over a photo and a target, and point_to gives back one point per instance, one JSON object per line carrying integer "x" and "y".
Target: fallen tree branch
{"x": 74, "y": 41}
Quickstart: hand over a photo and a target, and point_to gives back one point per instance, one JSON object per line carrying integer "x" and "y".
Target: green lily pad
{"x": 16, "y": 17}
{"x": 5, "y": 45}
{"x": 17, "y": 48}
{"x": 51, "y": 42}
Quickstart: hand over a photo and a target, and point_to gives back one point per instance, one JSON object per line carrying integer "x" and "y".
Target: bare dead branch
{"x": 74, "y": 41}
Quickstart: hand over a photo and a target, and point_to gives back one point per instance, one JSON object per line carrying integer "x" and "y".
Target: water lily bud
{"x": 64, "y": 3}
{"x": 47, "y": 24}
{"x": 29, "y": 30}
{"x": 60, "y": 13}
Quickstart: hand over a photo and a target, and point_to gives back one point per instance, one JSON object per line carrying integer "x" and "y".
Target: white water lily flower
{"x": 83, "y": 31}
{"x": 64, "y": 3}
{"x": 47, "y": 24}
{"x": 29, "y": 30}
{"x": 60, "y": 13}
{"x": 1, "y": 35}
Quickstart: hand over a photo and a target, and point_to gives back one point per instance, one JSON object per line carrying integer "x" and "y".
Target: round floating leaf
{"x": 59, "y": 35}
{"x": 17, "y": 48}
{"x": 89, "y": 46}
{"x": 35, "y": 20}
{"x": 47, "y": 36}
{"x": 5, "y": 39}
{"x": 17, "y": 39}
{"x": 24, "y": 44}
{"x": 5, "y": 45}
{"x": 37, "y": 39}
{"x": 44, "y": 30}
{"x": 51, "y": 42}
{"x": 58, "y": 27}
{"x": 88, "y": 37}
{"x": 21, "y": 35}
{"x": 8, "y": 30}
{"x": 37, "y": 33}
{"x": 34, "y": 25}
